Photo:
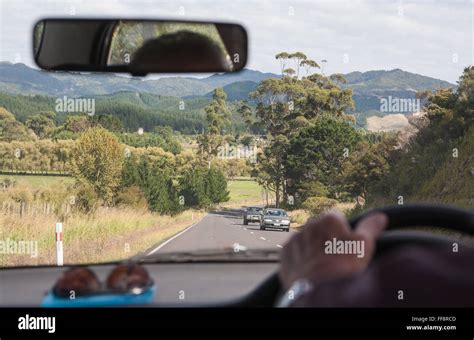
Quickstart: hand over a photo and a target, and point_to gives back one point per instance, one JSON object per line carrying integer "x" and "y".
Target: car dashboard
{"x": 178, "y": 284}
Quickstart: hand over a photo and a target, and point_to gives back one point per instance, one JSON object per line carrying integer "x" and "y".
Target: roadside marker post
{"x": 59, "y": 244}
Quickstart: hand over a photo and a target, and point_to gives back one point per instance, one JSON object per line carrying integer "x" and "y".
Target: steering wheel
{"x": 399, "y": 217}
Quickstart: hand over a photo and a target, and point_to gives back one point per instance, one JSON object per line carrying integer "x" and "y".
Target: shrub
{"x": 204, "y": 187}
{"x": 86, "y": 200}
{"x": 131, "y": 196}
{"x": 317, "y": 205}
{"x": 97, "y": 161}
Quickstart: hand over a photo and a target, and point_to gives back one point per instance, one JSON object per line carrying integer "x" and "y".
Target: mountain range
{"x": 368, "y": 87}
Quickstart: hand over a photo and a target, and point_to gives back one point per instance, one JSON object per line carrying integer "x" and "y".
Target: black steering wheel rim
{"x": 399, "y": 217}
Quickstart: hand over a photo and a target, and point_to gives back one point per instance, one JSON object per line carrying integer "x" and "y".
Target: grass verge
{"x": 109, "y": 234}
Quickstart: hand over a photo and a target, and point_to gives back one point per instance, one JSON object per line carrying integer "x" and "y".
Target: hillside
{"x": 134, "y": 109}
{"x": 20, "y": 79}
{"x": 238, "y": 91}
{"x": 161, "y": 97}
{"x": 246, "y": 75}
{"x": 453, "y": 183}
{"x": 369, "y": 87}
{"x": 396, "y": 79}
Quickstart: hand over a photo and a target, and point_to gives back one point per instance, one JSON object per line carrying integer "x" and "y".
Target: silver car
{"x": 275, "y": 218}
{"x": 252, "y": 214}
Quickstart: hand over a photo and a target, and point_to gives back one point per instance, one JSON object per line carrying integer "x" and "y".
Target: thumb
{"x": 370, "y": 227}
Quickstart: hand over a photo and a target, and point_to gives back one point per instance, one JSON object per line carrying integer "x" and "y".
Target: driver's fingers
{"x": 370, "y": 227}
{"x": 331, "y": 224}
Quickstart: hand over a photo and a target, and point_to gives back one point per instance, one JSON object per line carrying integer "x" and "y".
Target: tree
{"x": 317, "y": 153}
{"x": 309, "y": 64}
{"x": 269, "y": 170}
{"x": 290, "y": 72}
{"x": 246, "y": 113}
{"x": 318, "y": 205}
{"x": 298, "y": 57}
{"x": 109, "y": 122}
{"x": 161, "y": 194}
{"x": 42, "y": 124}
{"x": 193, "y": 188}
{"x": 203, "y": 187}
{"x": 338, "y": 78}
{"x": 364, "y": 167}
{"x": 285, "y": 106}
{"x": 217, "y": 189}
{"x": 217, "y": 116}
{"x": 283, "y": 58}
{"x": 77, "y": 124}
{"x": 97, "y": 160}
{"x": 11, "y": 129}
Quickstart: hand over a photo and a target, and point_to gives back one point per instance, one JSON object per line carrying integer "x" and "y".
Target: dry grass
{"x": 109, "y": 234}
{"x": 389, "y": 122}
{"x": 298, "y": 217}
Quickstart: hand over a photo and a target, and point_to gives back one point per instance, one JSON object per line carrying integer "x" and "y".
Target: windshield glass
{"x": 275, "y": 213}
{"x": 342, "y": 105}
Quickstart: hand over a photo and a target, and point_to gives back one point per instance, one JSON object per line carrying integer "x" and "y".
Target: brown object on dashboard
{"x": 78, "y": 281}
{"x": 126, "y": 277}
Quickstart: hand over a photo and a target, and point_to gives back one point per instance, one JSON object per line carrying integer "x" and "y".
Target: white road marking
{"x": 238, "y": 247}
{"x": 263, "y": 238}
{"x": 279, "y": 246}
{"x": 252, "y": 232}
{"x": 172, "y": 238}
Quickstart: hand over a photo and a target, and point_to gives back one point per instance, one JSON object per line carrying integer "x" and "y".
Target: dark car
{"x": 252, "y": 214}
{"x": 275, "y": 218}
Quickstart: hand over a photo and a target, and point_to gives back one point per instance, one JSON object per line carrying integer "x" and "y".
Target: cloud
{"x": 433, "y": 38}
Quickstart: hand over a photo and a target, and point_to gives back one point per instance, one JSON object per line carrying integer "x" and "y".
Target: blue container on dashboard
{"x": 102, "y": 299}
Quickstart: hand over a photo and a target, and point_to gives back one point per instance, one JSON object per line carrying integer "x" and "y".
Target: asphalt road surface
{"x": 220, "y": 230}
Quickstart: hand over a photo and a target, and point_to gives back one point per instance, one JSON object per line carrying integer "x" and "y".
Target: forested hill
{"x": 150, "y": 102}
{"x": 133, "y": 109}
{"x": 368, "y": 87}
{"x": 20, "y": 79}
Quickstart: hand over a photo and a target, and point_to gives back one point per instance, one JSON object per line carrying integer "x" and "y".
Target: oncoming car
{"x": 252, "y": 214}
{"x": 275, "y": 218}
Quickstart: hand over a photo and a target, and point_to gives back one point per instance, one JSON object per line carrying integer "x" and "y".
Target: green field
{"x": 245, "y": 192}
{"x": 37, "y": 180}
{"x": 242, "y": 191}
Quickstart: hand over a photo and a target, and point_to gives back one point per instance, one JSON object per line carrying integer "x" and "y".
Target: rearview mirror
{"x": 139, "y": 46}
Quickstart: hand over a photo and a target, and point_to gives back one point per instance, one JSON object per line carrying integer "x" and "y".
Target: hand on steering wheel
{"x": 398, "y": 217}
{"x": 313, "y": 253}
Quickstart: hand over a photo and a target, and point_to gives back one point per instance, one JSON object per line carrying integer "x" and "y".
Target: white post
{"x": 59, "y": 243}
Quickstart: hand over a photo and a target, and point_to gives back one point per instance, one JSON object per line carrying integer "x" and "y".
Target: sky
{"x": 432, "y": 38}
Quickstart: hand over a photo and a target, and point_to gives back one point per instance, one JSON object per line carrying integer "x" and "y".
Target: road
{"x": 223, "y": 229}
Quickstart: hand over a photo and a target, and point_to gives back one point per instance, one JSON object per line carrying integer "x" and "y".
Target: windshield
{"x": 275, "y": 213}
{"x": 342, "y": 105}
